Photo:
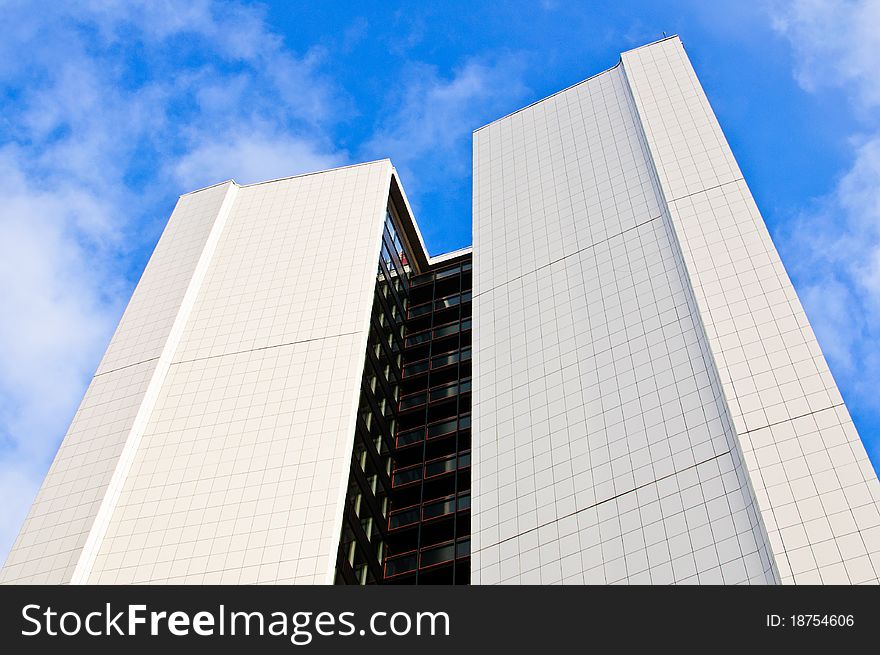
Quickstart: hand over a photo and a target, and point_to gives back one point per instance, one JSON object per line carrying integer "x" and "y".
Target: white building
{"x": 213, "y": 443}
{"x": 650, "y": 404}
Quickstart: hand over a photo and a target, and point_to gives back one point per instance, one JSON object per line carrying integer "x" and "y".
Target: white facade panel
{"x": 51, "y": 541}
{"x": 662, "y": 335}
{"x": 818, "y": 494}
{"x": 156, "y": 302}
{"x": 214, "y": 442}
{"x": 603, "y": 449}
{"x": 244, "y": 465}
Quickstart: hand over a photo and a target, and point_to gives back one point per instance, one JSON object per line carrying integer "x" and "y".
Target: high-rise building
{"x": 617, "y": 384}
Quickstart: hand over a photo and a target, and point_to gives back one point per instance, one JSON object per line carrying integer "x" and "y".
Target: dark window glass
{"x": 438, "y": 508}
{"x": 416, "y": 339}
{"x": 418, "y": 367}
{"x": 444, "y": 360}
{"x": 412, "y": 401}
{"x": 407, "y": 475}
{"x": 432, "y": 460}
{"x": 444, "y": 427}
{"x": 446, "y": 329}
{"x": 440, "y": 467}
{"x": 437, "y": 555}
{"x": 449, "y": 272}
{"x": 406, "y": 517}
{"x": 410, "y": 436}
{"x": 451, "y": 301}
{"x": 419, "y": 310}
{"x": 444, "y": 392}
{"x": 402, "y": 564}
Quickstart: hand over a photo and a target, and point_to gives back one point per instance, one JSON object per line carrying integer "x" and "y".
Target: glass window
{"x": 420, "y": 310}
{"x": 402, "y": 518}
{"x": 444, "y": 427}
{"x": 424, "y": 278}
{"x": 445, "y": 329}
{"x": 449, "y": 272}
{"x": 444, "y": 392}
{"x": 417, "y": 367}
{"x": 438, "y": 554}
{"x": 440, "y": 467}
{"x": 412, "y": 401}
{"x": 415, "y": 339}
{"x": 444, "y": 360}
{"x": 406, "y": 476}
{"x": 410, "y": 436}
{"x": 400, "y": 564}
{"x": 449, "y": 301}
{"x": 392, "y": 231}
{"x": 438, "y": 508}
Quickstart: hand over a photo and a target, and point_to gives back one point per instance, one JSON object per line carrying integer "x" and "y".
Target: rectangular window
{"x": 442, "y": 331}
{"x": 400, "y": 564}
{"x": 444, "y": 392}
{"x": 416, "y": 339}
{"x": 444, "y": 427}
{"x": 420, "y": 310}
{"x": 403, "y": 518}
{"x": 405, "y": 476}
{"x": 438, "y": 508}
{"x": 417, "y": 367}
{"x": 410, "y": 436}
{"x": 424, "y": 278}
{"x": 412, "y": 401}
{"x": 437, "y": 555}
{"x": 439, "y": 467}
{"x": 449, "y": 272}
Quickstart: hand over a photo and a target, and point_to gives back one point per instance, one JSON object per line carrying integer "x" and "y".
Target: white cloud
{"x": 836, "y": 43}
{"x": 251, "y": 156}
{"x": 833, "y": 246}
{"x": 59, "y": 300}
{"x": 431, "y": 122}
{"x": 111, "y": 109}
{"x": 834, "y": 249}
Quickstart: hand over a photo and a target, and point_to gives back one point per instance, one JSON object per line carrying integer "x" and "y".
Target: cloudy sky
{"x": 111, "y": 109}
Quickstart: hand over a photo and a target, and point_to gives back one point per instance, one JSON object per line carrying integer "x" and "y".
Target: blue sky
{"x": 110, "y": 110}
